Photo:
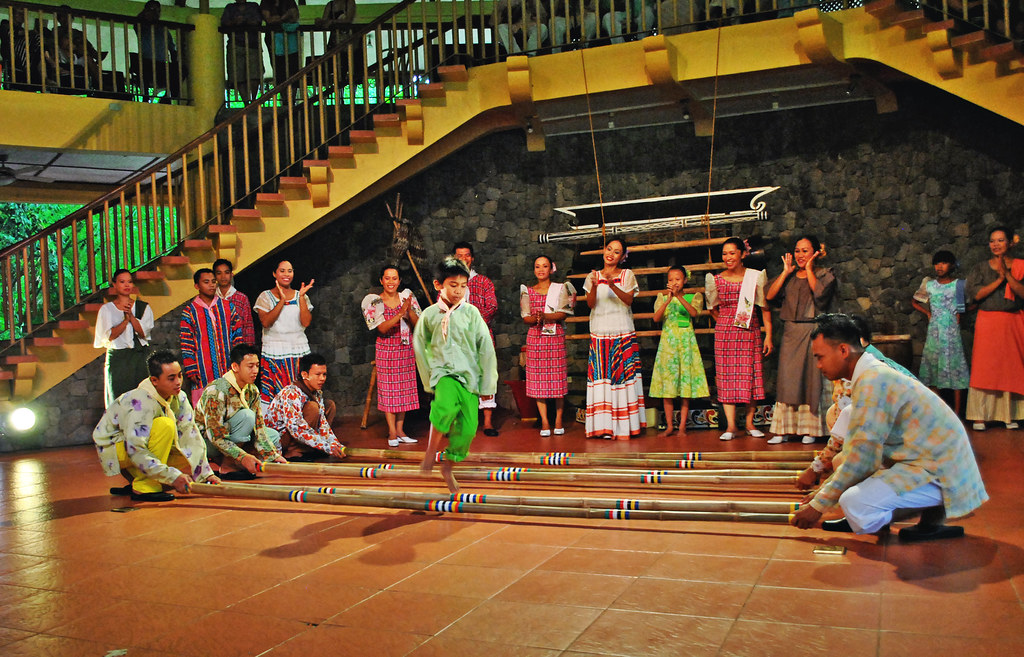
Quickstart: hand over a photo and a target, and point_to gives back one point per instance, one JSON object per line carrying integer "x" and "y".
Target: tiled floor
{"x": 213, "y": 576}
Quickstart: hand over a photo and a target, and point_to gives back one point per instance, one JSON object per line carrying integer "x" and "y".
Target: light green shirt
{"x": 467, "y": 354}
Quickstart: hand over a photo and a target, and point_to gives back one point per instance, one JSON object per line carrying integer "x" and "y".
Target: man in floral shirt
{"x": 303, "y": 417}
{"x": 229, "y": 417}
{"x": 149, "y": 436}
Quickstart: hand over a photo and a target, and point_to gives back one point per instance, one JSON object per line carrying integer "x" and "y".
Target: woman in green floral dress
{"x": 678, "y": 367}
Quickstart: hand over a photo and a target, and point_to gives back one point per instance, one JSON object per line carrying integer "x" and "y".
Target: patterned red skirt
{"x": 396, "y": 376}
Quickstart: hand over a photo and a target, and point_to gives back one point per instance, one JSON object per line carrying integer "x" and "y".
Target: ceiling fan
{"x": 9, "y": 176}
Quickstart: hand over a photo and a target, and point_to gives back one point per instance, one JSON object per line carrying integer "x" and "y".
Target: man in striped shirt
{"x": 209, "y": 329}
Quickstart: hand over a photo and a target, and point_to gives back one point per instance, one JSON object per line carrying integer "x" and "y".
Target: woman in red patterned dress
{"x": 393, "y": 314}
{"x": 544, "y": 307}
{"x": 733, "y": 297}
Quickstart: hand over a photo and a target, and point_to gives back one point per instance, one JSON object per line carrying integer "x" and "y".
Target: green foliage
{"x": 22, "y": 220}
{"x": 67, "y": 266}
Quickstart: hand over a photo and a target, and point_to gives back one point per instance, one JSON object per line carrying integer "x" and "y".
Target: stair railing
{"x": 184, "y": 195}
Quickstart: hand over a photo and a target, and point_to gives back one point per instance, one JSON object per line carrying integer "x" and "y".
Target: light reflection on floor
{"x": 208, "y": 576}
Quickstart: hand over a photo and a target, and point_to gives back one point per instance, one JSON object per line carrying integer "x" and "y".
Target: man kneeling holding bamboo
{"x": 908, "y": 451}
{"x": 149, "y": 436}
{"x": 228, "y": 415}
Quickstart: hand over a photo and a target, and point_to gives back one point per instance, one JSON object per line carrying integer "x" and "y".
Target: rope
{"x": 714, "y": 113}
{"x": 593, "y": 146}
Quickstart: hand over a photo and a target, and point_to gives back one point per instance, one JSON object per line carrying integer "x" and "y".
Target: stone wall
{"x": 884, "y": 192}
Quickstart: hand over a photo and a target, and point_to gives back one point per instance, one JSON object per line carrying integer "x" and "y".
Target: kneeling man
{"x": 907, "y": 450}
{"x": 150, "y": 437}
{"x": 302, "y": 416}
{"x": 229, "y": 417}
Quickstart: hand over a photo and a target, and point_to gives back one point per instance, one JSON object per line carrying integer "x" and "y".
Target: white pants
{"x": 511, "y": 44}
{"x": 869, "y": 505}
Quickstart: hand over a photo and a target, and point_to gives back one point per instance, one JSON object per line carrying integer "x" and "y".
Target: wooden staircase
{"x": 397, "y": 143}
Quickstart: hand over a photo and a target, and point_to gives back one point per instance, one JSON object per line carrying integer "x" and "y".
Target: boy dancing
{"x": 456, "y": 361}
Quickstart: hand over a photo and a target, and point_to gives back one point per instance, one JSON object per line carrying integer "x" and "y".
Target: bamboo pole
{"x": 651, "y": 477}
{"x": 543, "y": 458}
{"x": 369, "y": 395}
{"x": 292, "y": 495}
{"x": 586, "y": 460}
{"x": 730, "y": 506}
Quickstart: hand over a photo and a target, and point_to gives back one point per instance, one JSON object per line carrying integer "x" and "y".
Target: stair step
{"x": 91, "y": 307}
{"x": 646, "y": 271}
{"x": 244, "y": 213}
{"x": 292, "y": 182}
{"x": 18, "y": 359}
{"x": 969, "y": 41}
{"x": 73, "y": 324}
{"x": 1002, "y": 52}
{"x": 938, "y": 25}
{"x": 665, "y": 246}
{"x": 346, "y": 152}
{"x": 406, "y": 102}
{"x": 6, "y": 375}
{"x": 308, "y": 164}
{"x": 453, "y": 73}
{"x": 145, "y": 275}
{"x": 432, "y": 90}
{"x": 48, "y": 342}
{"x": 909, "y": 19}
{"x": 387, "y": 121}
{"x": 197, "y": 245}
{"x": 175, "y": 260}
{"x": 882, "y": 9}
{"x": 269, "y": 198}
{"x": 362, "y": 137}
{"x": 222, "y": 228}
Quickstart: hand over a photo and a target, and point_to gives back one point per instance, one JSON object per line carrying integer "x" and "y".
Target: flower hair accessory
{"x": 625, "y": 254}
{"x": 452, "y": 261}
{"x": 554, "y": 267}
{"x": 746, "y": 245}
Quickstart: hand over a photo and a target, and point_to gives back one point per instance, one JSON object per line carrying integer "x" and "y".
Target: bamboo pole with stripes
{"x": 651, "y": 504}
{"x": 540, "y": 458}
{"x": 296, "y": 495}
{"x": 567, "y": 459}
{"x": 640, "y": 477}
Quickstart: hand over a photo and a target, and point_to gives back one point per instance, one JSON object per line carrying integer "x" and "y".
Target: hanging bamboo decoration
{"x": 295, "y": 495}
{"x": 691, "y": 461}
{"x": 648, "y": 477}
{"x": 730, "y": 506}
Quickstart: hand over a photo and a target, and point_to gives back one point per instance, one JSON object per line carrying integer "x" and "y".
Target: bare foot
{"x": 681, "y": 433}
{"x": 449, "y": 478}
{"x": 666, "y": 433}
{"x": 427, "y": 465}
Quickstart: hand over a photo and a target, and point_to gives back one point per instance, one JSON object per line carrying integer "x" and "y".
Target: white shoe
{"x": 407, "y": 440}
{"x": 544, "y": 433}
{"x": 755, "y": 433}
{"x": 559, "y": 432}
{"x": 1012, "y": 425}
{"x": 809, "y": 440}
{"x": 978, "y": 426}
{"x": 393, "y": 443}
{"x": 776, "y": 440}
{"x": 726, "y": 436}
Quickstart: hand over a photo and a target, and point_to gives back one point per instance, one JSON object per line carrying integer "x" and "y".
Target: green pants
{"x": 454, "y": 412}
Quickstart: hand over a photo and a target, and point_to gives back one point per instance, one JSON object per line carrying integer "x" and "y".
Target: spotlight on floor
{"x": 21, "y": 419}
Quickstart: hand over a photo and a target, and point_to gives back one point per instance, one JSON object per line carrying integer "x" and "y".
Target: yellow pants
{"x": 162, "y": 439}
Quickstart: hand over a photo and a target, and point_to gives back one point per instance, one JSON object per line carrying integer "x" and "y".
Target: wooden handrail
{"x": 173, "y": 158}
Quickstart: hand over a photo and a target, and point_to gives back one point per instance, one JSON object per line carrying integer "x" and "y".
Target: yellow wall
{"x": 53, "y": 121}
